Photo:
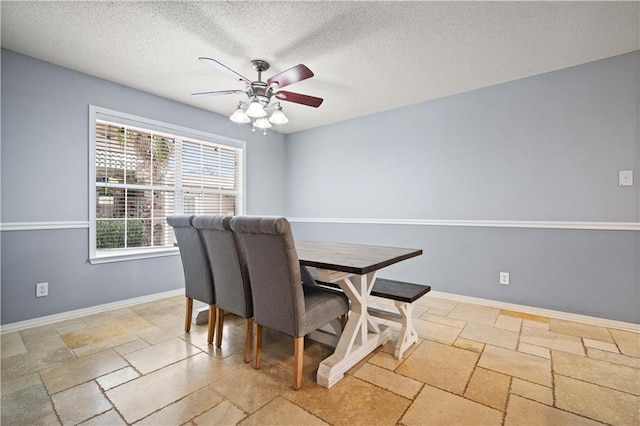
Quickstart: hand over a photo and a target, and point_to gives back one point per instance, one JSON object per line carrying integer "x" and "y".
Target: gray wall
{"x": 45, "y": 149}
{"x": 545, "y": 148}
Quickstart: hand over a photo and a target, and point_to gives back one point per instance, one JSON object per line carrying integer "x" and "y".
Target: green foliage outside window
{"x": 110, "y": 233}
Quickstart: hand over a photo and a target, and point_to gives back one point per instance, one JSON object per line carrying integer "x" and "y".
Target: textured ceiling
{"x": 367, "y": 56}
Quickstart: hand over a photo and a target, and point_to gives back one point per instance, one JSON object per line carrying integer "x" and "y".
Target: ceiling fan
{"x": 264, "y": 95}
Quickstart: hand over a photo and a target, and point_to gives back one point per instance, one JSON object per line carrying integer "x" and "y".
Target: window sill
{"x": 125, "y": 255}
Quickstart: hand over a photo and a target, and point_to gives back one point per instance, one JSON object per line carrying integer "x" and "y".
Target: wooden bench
{"x": 402, "y": 293}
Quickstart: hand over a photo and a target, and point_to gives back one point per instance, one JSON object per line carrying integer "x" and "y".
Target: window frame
{"x": 116, "y": 255}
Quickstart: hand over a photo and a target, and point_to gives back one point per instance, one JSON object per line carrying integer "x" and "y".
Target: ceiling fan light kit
{"x": 264, "y": 96}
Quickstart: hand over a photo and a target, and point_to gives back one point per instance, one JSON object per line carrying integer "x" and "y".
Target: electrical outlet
{"x": 504, "y": 278}
{"x": 42, "y": 289}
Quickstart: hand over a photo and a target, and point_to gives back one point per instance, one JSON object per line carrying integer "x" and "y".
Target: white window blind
{"x": 143, "y": 175}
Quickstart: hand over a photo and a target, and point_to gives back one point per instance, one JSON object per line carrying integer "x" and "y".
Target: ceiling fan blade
{"x": 218, "y": 92}
{"x": 292, "y": 75}
{"x": 222, "y": 68}
{"x": 297, "y": 98}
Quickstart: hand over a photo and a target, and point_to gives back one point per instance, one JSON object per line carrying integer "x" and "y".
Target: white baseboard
{"x": 602, "y": 322}
{"x": 49, "y": 319}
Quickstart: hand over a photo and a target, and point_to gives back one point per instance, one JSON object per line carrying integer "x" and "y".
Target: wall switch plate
{"x": 625, "y": 178}
{"x": 42, "y": 289}
{"x": 504, "y": 278}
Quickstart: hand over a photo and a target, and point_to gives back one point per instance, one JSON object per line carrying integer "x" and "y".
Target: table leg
{"x": 408, "y": 335}
{"x": 362, "y": 333}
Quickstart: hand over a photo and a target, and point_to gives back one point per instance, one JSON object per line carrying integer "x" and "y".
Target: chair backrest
{"x": 228, "y": 264}
{"x": 272, "y": 261}
{"x": 198, "y": 281}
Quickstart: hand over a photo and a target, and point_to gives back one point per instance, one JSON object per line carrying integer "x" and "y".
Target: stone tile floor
{"x": 473, "y": 365}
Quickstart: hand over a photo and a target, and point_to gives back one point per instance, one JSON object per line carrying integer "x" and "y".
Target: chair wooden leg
{"x": 220, "y": 327}
{"x": 344, "y": 319}
{"x": 257, "y": 345}
{"x": 188, "y": 313}
{"x": 299, "y": 358}
{"x": 212, "y": 323}
{"x": 248, "y": 330}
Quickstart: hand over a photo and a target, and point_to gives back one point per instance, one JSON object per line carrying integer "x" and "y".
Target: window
{"x": 143, "y": 171}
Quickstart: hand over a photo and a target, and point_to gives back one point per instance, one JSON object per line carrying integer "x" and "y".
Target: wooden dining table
{"x": 354, "y": 268}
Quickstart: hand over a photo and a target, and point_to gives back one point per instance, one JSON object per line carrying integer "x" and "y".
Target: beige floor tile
{"x": 603, "y": 346}
{"x": 579, "y": 329}
{"x": 185, "y": 409}
{"x": 628, "y": 342}
{"x": 27, "y": 406}
{"x": 596, "y": 402}
{"x": 476, "y": 314}
{"x": 490, "y": 335}
{"x": 521, "y": 411}
{"x": 108, "y": 316}
{"x": 277, "y": 411}
{"x": 443, "y": 320}
{"x": 261, "y": 385}
{"x": 440, "y": 365}
{"x": 350, "y": 401}
{"x": 80, "y": 403}
{"x": 439, "y": 312}
{"x": 436, "y": 302}
{"x": 42, "y": 338}
{"x": 386, "y": 360}
{"x": 552, "y": 340}
{"x": 56, "y": 328}
{"x": 536, "y": 324}
{"x": 140, "y": 397}
{"x": 507, "y": 322}
{"x": 602, "y": 373}
{"x": 489, "y": 388}
{"x": 99, "y": 333}
{"x": 74, "y": 372}
{"x": 470, "y": 345}
{"x": 111, "y": 380}
{"x": 11, "y": 344}
{"x": 388, "y": 380}
{"x": 131, "y": 346}
{"x": 629, "y": 361}
{"x": 525, "y": 317}
{"x": 436, "y": 407}
{"x": 20, "y": 383}
{"x": 534, "y": 350}
{"x": 110, "y": 343}
{"x": 533, "y": 391}
{"x": 223, "y": 414}
{"x": 157, "y": 334}
{"x": 157, "y": 356}
{"x": 110, "y": 418}
{"x": 34, "y": 361}
{"x": 437, "y": 332}
{"x": 516, "y": 364}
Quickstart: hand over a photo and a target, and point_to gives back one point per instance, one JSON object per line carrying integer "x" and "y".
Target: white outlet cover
{"x": 625, "y": 178}
{"x": 42, "y": 289}
{"x": 504, "y": 278}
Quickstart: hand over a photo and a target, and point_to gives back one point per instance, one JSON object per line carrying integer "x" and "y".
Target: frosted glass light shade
{"x": 239, "y": 116}
{"x": 262, "y": 123}
{"x": 256, "y": 110}
{"x": 278, "y": 117}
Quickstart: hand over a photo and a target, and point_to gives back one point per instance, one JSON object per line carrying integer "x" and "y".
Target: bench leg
{"x": 408, "y": 335}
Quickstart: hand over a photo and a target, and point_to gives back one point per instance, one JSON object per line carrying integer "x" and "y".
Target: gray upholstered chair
{"x": 280, "y": 300}
{"x": 229, "y": 268}
{"x": 198, "y": 281}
